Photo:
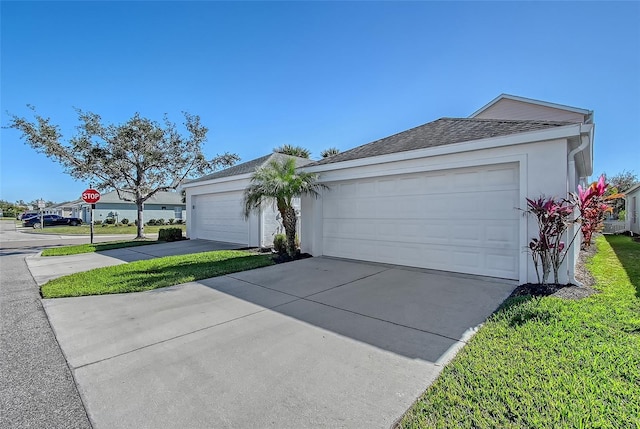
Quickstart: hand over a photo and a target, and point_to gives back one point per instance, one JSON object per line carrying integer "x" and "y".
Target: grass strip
{"x": 95, "y": 247}
{"x": 154, "y": 273}
{"x": 549, "y": 362}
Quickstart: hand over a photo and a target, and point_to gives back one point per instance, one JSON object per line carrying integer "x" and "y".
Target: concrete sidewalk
{"x": 45, "y": 268}
{"x": 319, "y": 342}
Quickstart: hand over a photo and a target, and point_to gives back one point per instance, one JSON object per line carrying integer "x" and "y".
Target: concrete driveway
{"x": 315, "y": 343}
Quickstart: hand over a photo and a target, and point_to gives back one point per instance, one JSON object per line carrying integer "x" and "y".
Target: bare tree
{"x": 138, "y": 158}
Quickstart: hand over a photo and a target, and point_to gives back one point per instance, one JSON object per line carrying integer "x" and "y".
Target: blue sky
{"x": 318, "y": 74}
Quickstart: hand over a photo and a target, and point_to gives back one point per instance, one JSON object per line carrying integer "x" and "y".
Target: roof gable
{"x": 507, "y": 106}
{"x": 441, "y": 132}
{"x": 248, "y": 167}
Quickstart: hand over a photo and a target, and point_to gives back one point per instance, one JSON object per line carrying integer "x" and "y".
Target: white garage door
{"x": 219, "y": 217}
{"x": 461, "y": 220}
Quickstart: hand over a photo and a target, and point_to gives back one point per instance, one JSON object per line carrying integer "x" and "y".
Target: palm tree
{"x": 278, "y": 182}
{"x": 329, "y": 152}
{"x": 292, "y": 150}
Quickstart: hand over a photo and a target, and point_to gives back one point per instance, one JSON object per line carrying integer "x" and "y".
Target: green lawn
{"x": 154, "y": 273}
{"x": 549, "y": 362}
{"x": 101, "y": 230}
{"x": 96, "y": 247}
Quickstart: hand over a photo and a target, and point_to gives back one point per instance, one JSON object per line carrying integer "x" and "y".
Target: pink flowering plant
{"x": 554, "y": 216}
{"x": 548, "y": 250}
{"x": 593, "y": 207}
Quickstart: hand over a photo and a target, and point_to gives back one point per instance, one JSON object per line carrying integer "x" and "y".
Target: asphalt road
{"x": 37, "y": 389}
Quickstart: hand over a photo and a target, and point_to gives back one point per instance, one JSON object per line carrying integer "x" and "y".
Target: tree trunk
{"x": 289, "y": 222}
{"x": 546, "y": 267}
{"x": 140, "y": 205}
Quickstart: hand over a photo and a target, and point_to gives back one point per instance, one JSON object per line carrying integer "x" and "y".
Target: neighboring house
{"x": 447, "y": 195}
{"x": 63, "y": 209}
{"x": 216, "y": 206}
{"x": 162, "y": 205}
{"x": 632, "y": 204}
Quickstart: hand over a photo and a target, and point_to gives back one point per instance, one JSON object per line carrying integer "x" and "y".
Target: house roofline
{"x": 567, "y": 131}
{"x": 631, "y": 189}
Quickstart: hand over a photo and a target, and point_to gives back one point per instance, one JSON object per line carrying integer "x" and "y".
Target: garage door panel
{"x": 506, "y": 261}
{"x": 457, "y": 220}
{"x": 500, "y": 177}
{"x": 219, "y": 217}
{"x": 503, "y": 235}
{"x": 367, "y": 187}
{"x": 466, "y": 179}
{"x": 437, "y": 183}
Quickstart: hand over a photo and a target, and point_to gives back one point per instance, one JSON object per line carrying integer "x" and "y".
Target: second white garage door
{"x": 219, "y": 217}
{"x": 462, "y": 220}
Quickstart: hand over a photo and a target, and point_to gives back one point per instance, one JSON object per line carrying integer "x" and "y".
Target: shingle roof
{"x": 440, "y": 132}
{"x": 249, "y": 167}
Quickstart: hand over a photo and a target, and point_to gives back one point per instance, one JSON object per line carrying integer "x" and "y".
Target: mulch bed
{"x": 282, "y": 258}
{"x": 278, "y": 258}
{"x": 568, "y": 291}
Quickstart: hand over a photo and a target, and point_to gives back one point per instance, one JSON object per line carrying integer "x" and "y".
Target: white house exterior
{"x": 162, "y": 205}
{"x": 632, "y": 206}
{"x": 447, "y": 195}
{"x": 63, "y": 209}
{"x": 215, "y": 205}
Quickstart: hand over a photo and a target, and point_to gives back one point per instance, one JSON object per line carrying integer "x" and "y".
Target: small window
{"x": 177, "y": 212}
{"x": 164, "y": 208}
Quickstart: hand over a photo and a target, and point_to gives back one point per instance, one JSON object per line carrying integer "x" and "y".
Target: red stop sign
{"x": 91, "y": 196}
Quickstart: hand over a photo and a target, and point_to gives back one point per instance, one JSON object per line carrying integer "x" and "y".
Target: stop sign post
{"x": 91, "y": 196}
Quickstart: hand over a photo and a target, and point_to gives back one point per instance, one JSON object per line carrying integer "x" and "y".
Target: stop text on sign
{"x": 91, "y": 196}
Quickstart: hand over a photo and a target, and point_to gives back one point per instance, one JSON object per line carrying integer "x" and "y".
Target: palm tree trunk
{"x": 289, "y": 222}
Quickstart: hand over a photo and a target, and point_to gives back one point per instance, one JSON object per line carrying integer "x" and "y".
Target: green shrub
{"x": 280, "y": 243}
{"x": 125, "y": 221}
{"x": 622, "y": 215}
{"x": 135, "y": 222}
{"x": 160, "y": 222}
{"x": 97, "y": 222}
{"x": 110, "y": 221}
{"x": 152, "y": 222}
{"x": 169, "y": 234}
{"x": 171, "y": 221}
{"x": 179, "y": 221}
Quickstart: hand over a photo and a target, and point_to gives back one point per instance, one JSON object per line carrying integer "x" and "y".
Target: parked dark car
{"x": 51, "y": 220}
{"x": 26, "y": 215}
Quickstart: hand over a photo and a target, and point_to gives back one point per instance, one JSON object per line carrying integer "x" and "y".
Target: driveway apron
{"x": 319, "y": 342}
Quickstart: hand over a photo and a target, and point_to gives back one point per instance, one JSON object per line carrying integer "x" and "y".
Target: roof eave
{"x": 631, "y": 189}
{"x": 565, "y": 131}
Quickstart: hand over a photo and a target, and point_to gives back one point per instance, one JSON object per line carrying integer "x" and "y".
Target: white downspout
{"x": 586, "y": 140}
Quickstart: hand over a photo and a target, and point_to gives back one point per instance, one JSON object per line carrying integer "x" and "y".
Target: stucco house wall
{"x": 632, "y": 205}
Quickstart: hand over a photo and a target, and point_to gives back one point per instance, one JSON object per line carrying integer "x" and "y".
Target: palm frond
{"x": 278, "y": 182}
